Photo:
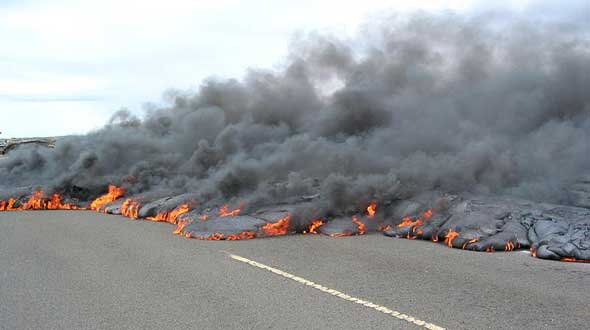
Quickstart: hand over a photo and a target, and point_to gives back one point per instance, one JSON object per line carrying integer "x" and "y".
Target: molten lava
{"x": 224, "y": 211}
{"x": 243, "y": 235}
{"x": 38, "y": 202}
{"x": 113, "y": 194}
{"x": 362, "y": 228}
{"x": 509, "y": 246}
{"x": 171, "y": 216}
{"x": 180, "y": 225}
{"x": 213, "y": 237}
{"x": 407, "y": 221}
{"x": 314, "y": 226}
{"x": 571, "y": 259}
{"x": 450, "y": 236}
{"x": 130, "y": 208}
{"x": 278, "y": 228}
{"x": 372, "y": 209}
{"x": 473, "y": 240}
{"x": 8, "y": 206}
{"x": 384, "y": 228}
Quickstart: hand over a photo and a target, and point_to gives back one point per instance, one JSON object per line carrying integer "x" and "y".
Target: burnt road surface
{"x": 83, "y": 270}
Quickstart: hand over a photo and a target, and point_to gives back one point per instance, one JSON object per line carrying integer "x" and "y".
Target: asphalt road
{"x": 82, "y": 270}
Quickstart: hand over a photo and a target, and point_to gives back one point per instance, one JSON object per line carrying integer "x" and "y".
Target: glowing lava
{"x": 180, "y": 225}
{"x": 8, "y": 206}
{"x": 450, "y": 236}
{"x": 130, "y": 208}
{"x": 243, "y": 235}
{"x": 171, "y": 216}
{"x": 315, "y": 224}
{"x": 509, "y": 246}
{"x": 224, "y": 211}
{"x": 383, "y": 228}
{"x": 278, "y": 228}
{"x": 113, "y": 194}
{"x": 38, "y": 202}
{"x": 571, "y": 259}
{"x": 213, "y": 237}
{"x": 362, "y": 228}
{"x": 372, "y": 209}
{"x": 473, "y": 240}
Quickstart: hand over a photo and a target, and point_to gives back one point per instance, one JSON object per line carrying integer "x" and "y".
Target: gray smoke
{"x": 484, "y": 105}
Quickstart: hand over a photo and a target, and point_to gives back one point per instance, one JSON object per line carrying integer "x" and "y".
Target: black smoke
{"x": 481, "y": 105}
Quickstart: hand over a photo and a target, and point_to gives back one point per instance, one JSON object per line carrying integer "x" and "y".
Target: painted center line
{"x": 341, "y": 295}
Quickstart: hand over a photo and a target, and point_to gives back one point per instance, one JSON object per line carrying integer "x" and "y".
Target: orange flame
{"x": 180, "y": 225}
{"x": 362, "y": 228}
{"x": 372, "y": 209}
{"x": 243, "y": 235}
{"x": 171, "y": 216}
{"x": 384, "y": 228}
{"x": 509, "y": 246}
{"x": 130, "y": 208}
{"x": 450, "y": 236}
{"x": 407, "y": 221}
{"x": 278, "y": 228}
{"x": 213, "y": 237}
{"x": 572, "y": 259}
{"x": 314, "y": 226}
{"x": 38, "y": 202}
{"x": 224, "y": 211}
{"x": 473, "y": 240}
{"x": 113, "y": 194}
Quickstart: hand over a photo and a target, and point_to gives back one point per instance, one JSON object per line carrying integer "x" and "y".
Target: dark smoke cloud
{"x": 429, "y": 102}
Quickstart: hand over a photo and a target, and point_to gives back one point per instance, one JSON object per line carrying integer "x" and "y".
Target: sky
{"x": 67, "y": 65}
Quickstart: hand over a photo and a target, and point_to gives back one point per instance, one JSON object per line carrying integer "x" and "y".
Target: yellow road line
{"x": 341, "y": 295}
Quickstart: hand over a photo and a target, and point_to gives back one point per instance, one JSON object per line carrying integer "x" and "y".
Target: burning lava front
{"x": 228, "y": 223}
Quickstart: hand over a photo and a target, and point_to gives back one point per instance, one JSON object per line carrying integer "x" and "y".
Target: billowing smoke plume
{"x": 421, "y": 103}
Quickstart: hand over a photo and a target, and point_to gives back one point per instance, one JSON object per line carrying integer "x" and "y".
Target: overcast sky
{"x": 67, "y": 65}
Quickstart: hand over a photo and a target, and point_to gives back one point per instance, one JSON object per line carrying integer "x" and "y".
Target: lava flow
{"x": 315, "y": 224}
{"x": 466, "y": 244}
{"x": 38, "y": 202}
{"x": 171, "y": 216}
{"x": 224, "y": 211}
{"x": 8, "y": 206}
{"x": 362, "y": 228}
{"x": 243, "y": 235}
{"x": 415, "y": 225}
{"x": 113, "y": 194}
{"x": 450, "y": 236}
{"x": 372, "y": 210}
{"x": 180, "y": 225}
{"x": 278, "y": 228}
{"x": 130, "y": 208}
{"x": 571, "y": 259}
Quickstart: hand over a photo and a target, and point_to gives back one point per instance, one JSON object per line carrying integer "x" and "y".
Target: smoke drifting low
{"x": 482, "y": 105}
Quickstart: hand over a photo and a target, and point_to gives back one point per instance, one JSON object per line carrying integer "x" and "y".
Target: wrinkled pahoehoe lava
{"x": 436, "y": 127}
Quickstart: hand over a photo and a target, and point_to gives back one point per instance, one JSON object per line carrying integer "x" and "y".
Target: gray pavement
{"x": 83, "y": 270}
